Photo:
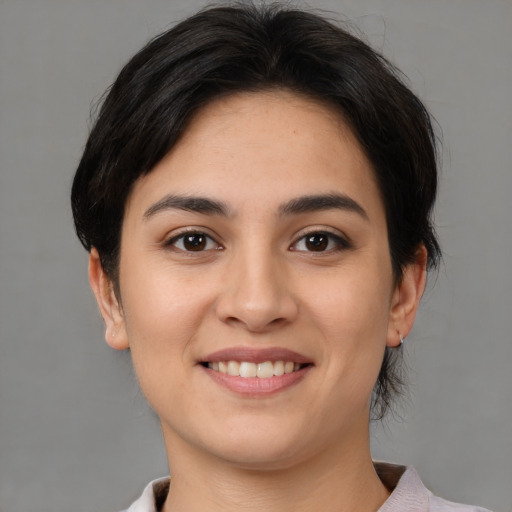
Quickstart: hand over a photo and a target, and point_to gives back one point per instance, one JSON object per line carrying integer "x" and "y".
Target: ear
{"x": 111, "y": 311}
{"x": 406, "y": 298}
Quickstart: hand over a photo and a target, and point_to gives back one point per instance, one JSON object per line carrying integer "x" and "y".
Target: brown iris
{"x": 317, "y": 242}
{"x": 194, "y": 242}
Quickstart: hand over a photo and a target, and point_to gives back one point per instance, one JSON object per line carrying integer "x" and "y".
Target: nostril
{"x": 278, "y": 321}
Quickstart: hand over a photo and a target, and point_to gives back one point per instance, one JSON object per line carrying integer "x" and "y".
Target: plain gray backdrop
{"x": 75, "y": 433}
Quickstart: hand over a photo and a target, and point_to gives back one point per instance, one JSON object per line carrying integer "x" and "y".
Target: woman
{"x": 256, "y": 197}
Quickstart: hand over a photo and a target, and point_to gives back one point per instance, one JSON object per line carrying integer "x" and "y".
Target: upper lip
{"x": 256, "y": 355}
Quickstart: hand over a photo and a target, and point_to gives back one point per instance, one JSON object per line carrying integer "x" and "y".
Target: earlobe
{"x": 406, "y": 299}
{"x": 110, "y": 309}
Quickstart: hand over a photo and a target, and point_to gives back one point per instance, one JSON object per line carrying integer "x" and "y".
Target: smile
{"x": 255, "y": 372}
{"x": 248, "y": 369}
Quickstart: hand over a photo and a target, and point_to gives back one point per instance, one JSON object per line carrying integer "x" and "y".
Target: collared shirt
{"x": 408, "y": 494}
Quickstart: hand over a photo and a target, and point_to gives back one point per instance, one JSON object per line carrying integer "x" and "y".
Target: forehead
{"x": 270, "y": 145}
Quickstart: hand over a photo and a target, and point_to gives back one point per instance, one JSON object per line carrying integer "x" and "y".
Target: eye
{"x": 320, "y": 241}
{"x": 193, "y": 241}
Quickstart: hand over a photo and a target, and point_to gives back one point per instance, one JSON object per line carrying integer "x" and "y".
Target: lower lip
{"x": 254, "y": 386}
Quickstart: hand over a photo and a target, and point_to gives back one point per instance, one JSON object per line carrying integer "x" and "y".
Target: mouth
{"x": 249, "y": 369}
{"x": 256, "y": 372}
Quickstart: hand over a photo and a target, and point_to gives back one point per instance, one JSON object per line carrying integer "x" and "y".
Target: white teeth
{"x": 279, "y": 368}
{"x": 233, "y": 368}
{"x": 261, "y": 370}
{"x": 248, "y": 369}
{"x": 265, "y": 370}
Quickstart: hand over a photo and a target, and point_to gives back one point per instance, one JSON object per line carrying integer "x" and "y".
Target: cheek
{"x": 162, "y": 310}
{"x": 352, "y": 313}
{"x": 354, "y": 300}
{"x": 161, "y": 323}
{"x": 156, "y": 294}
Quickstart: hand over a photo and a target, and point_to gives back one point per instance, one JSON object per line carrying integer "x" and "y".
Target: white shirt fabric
{"x": 408, "y": 495}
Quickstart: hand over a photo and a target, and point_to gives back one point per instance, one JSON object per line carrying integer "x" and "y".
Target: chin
{"x": 261, "y": 457}
{"x": 264, "y": 446}
{"x": 250, "y": 444}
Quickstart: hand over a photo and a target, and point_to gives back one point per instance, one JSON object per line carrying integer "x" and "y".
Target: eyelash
{"x": 173, "y": 242}
{"x": 340, "y": 243}
{"x": 323, "y": 237}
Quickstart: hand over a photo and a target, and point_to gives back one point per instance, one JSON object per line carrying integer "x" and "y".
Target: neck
{"x": 341, "y": 479}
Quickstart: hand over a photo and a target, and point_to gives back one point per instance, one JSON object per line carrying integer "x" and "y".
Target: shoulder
{"x": 152, "y": 498}
{"x": 408, "y": 494}
{"x": 439, "y": 505}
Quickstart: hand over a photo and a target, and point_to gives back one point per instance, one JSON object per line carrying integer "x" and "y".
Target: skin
{"x": 257, "y": 283}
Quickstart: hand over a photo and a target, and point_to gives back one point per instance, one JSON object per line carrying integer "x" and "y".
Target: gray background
{"x": 75, "y": 433}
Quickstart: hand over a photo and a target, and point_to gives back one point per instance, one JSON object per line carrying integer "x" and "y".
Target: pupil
{"x": 194, "y": 242}
{"x": 317, "y": 242}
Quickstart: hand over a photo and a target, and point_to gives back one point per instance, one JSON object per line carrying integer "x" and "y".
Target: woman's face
{"x": 258, "y": 244}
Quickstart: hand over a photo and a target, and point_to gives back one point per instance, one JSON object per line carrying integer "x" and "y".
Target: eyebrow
{"x": 201, "y": 205}
{"x": 313, "y": 203}
{"x": 298, "y": 205}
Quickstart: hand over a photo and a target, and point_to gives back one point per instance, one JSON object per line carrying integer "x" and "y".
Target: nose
{"x": 257, "y": 293}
